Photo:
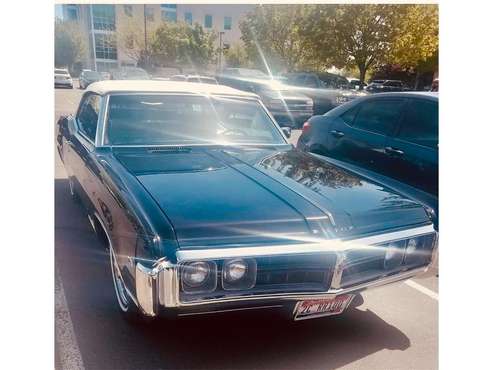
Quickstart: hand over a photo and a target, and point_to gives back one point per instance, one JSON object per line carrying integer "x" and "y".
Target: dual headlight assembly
{"x": 413, "y": 251}
{"x": 232, "y": 274}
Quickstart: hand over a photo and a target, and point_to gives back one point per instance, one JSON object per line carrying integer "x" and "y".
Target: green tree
{"x": 236, "y": 56}
{"x": 415, "y": 45}
{"x": 131, "y": 40}
{"x": 271, "y": 34}
{"x": 70, "y": 44}
{"x": 179, "y": 44}
{"x": 349, "y": 36}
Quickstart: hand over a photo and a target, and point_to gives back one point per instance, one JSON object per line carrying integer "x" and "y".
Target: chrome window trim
{"x": 79, "y": 131}
{"x": 104, "y": 117}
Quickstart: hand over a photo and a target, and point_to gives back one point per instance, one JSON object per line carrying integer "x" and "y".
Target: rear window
{"x": 61, "y": 71}
{"x": 420, "y": 123}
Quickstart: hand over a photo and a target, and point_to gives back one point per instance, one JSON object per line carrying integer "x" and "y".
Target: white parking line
{"x": 430, "y": 293}
{"x": 68, "y": 349}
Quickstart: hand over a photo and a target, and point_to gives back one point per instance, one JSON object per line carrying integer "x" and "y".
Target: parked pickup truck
{"x": 327, "y": 90}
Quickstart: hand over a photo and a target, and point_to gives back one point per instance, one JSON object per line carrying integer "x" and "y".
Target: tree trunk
{"x": 362, "y": 74}
{"x": 418, "y": 78}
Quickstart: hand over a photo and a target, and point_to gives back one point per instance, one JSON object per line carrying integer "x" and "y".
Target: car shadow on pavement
{"x": 261, "y": 339}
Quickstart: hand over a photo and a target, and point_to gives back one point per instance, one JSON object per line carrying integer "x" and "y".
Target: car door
{"x": 83, "y": 144}
{"x": 361, "y": 133}
{"x": 413, "y": 151}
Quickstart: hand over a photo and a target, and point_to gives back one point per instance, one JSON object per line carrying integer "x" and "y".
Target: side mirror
{"x": 286, "y": 131}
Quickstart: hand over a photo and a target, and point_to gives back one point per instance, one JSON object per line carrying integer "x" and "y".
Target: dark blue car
{"x": 205, "y": 207}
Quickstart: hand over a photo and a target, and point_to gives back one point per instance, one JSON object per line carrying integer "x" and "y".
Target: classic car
{"x": 288, "y": 106}
{"x": 206, "y": 208}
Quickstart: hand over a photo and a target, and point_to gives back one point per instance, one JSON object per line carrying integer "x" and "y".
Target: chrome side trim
{"x": 335, "y": 245}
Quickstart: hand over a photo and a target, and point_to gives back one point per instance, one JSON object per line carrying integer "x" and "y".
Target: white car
{"x": 63, "y": 78}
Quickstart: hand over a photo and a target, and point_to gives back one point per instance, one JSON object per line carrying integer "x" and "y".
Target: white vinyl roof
{"x": 136, "y": 86}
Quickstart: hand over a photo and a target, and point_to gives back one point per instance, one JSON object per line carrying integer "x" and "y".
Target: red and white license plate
{"x": 322, "y": 307}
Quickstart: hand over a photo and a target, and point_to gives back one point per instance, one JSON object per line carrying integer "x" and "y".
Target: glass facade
{"x": 105, "y": 46}
{"x": 168, "y": 16}
{"x": 150, "y": 14}
{"x": 208, "y": 21}
{"x": 72, "y": 12}
{"x": 103, "y": 17}
{"x": 168, "y": 12}
{"x": 227, "y": 23}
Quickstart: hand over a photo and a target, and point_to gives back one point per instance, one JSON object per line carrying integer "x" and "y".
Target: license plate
{"x": 322, "y": 307}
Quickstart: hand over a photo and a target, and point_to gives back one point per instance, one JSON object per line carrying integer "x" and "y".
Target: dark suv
{"x": 289, "y": 107}
{"x": 393, "y": 134}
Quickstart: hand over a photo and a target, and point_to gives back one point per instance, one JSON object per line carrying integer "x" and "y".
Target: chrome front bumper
{"x": 158, "y": 288}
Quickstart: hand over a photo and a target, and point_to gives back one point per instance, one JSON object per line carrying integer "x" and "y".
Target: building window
{"x": 72, "y": 12}
{"x": 128, "y": 10}
{"x": 150, "y": 14}
{"x": 188, "y": 18}
{"x": 168, "y": 16}
{"x": 105, "y": 46}
{"x": 227, "y": 23}
{"x": 208, "y": 21}
{"x": 103, "y": 17}
{"x": 168, "y": 12}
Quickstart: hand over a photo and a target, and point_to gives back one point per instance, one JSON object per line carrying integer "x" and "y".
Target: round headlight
{"x": 196, "y": 273}
{"x": 235, "y": 270}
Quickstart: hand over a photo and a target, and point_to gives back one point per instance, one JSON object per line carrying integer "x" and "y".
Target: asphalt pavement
{"x": 395, "y": 328}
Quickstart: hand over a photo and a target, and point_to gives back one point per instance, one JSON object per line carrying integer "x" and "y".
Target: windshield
{"x": 177, "y": 119}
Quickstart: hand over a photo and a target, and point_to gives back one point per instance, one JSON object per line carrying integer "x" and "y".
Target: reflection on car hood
{"x": 217, "y": 196}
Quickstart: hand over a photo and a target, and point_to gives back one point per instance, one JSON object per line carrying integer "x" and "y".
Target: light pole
{"x": 220, "y": 50}
{"x": 145, "y": 37}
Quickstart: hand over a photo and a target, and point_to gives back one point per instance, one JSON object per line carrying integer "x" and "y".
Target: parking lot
{"x": 396, "y": 326}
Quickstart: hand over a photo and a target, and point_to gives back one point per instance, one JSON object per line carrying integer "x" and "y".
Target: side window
{"x": 311, "y": 81}
{"x": 88, "y": 116}
{"x": 348, "y": 116}
{"x": 297, "y": 80}
{"x": 379, "y": 116}
{"x": 420, "y": 123}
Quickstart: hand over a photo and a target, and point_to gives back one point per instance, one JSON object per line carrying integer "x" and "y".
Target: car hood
{"x": 238, "y": 196}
